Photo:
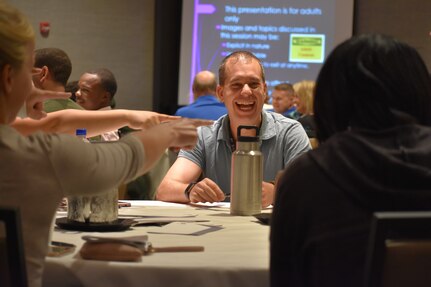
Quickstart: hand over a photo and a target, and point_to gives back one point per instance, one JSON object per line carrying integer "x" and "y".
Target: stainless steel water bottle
{"x": 246, "y": 174}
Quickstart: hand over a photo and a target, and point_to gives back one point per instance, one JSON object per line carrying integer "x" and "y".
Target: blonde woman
{"x": 305, "y": 93}
{"x": 38, "y": 170}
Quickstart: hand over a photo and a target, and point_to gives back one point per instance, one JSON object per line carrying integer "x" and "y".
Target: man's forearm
{"x": 172, "y": 191}
{"x": 96, "y": 122}
{"x": 67, "y": 121}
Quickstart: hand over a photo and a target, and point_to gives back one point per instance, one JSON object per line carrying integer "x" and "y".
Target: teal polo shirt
{"x": 282, "y": 140}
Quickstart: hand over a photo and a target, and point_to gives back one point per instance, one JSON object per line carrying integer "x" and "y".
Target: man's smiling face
{"x": 243, "y": 92}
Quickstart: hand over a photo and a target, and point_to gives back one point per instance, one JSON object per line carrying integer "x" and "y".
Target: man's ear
{"x": 219, "y": 93}
{"x": 107, "y": 95}
{"x": 106, "y": 98}
{"x": 7, "y": 78}
{"x": 44, "y": 74}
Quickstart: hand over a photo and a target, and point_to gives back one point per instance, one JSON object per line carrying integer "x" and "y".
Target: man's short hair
{"x": 107, "y": 80}
{"x": 57, "y": 62}
{"x": 236, "y": 56}
{"x": 285, "y": 87}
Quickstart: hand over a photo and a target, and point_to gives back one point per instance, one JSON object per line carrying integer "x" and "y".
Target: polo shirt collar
{"x": 267, "y": 127}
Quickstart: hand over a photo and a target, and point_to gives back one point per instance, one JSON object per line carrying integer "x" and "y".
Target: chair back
{"x": 399, "y": 250}
{"x": 12, "y": 259}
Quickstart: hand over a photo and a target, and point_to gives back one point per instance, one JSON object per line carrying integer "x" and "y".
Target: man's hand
{"x": 268, "y": 191}
{"x": 34, "y": 102}
{"x": 206, "y": 190}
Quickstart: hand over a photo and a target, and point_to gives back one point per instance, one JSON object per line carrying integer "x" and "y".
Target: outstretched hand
{"x": 139, "y": 120}
{"x": 184, "y": 129}
{"x": 180, "y": 133}
{"x": 34, "y": 102}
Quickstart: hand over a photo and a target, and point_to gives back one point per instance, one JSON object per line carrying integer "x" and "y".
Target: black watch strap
{"x": 189, "y": 189}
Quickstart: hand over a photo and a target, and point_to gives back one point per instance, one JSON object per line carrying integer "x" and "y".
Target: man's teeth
{"x": 245, "y": 103}
{"x": 245, "y": 106}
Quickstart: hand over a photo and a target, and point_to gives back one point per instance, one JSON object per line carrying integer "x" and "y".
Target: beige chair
{"x": 12, "y": 259}
{"x": 399, "y": 251}
{"x": 314, "y": 143}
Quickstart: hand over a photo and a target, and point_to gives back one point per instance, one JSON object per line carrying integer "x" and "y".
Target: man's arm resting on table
{"x": 268, "y": 192}
{"x": 176, "y": 180}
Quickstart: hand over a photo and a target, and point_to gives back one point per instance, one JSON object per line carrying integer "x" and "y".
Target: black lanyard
{"x": 232, "y": 142}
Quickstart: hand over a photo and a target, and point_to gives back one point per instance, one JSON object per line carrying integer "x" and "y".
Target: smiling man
{"x": 96, "y": 89}
{"x": 203, "y": 174}
{"x": 96, "y": 92}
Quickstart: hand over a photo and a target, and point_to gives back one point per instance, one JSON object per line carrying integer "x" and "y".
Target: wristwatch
{"x": 189, "y": 189}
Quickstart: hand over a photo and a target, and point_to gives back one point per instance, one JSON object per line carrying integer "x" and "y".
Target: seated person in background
{"x": 284, "y": 100}
{"x": 304, "y": 91}
{"x": 52, "y": 69}
{"x": 242, "y": 88}
{"x": 373, "y": 118}
{"x": 39, "y": 170}
{"x": 205, "y": 105}
{"x": 96, "y": 91}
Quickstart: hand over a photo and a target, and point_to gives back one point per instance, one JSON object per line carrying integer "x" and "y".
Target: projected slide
{"x": 292, "y": 38}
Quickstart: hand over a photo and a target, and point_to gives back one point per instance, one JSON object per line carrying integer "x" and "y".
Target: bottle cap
{"x": 81, "y": 132}
{"x": 242, "y": 138}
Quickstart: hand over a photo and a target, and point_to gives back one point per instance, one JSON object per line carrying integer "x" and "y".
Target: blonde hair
{"x": 305, "y": 92}
{"x": 15, "y": 33}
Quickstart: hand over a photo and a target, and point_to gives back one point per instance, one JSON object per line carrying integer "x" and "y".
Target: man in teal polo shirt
{"x": 204, "y": 172}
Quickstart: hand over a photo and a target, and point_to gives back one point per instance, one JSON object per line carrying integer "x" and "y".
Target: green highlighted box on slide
{"x": 307, "y": 48}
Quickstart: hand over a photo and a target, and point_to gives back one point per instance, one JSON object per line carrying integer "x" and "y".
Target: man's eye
{"x": 254, "y": 85}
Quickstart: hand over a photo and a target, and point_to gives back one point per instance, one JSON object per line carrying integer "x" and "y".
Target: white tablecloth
{"x": 237, "y": 255}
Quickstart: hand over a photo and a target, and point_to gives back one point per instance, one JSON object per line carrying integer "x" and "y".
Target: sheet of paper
{"x": 167, "y": 220}
{"x": 185, "y": 228}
